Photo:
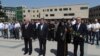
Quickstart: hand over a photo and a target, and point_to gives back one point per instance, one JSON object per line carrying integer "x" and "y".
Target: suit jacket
{"x": 27, "y": 32}
{"x": 44, "y": 32}
{"x": 82, "y": 30}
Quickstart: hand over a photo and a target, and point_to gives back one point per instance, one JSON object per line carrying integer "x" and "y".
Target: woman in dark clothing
{"x": 60, "y": 39}
{"x": 68, "y": 36}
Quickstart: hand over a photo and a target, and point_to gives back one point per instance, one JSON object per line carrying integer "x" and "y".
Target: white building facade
{"x": 10, "y": 12}
{"x": 57, "y": 12}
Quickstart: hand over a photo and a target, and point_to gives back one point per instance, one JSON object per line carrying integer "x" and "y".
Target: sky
{"x": 45, "y": 3}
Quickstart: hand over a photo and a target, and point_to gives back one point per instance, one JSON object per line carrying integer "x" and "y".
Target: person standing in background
{"x": 2, "y": 29}
{"x": 96, "y": 27}
{"x": 6, "y": 30}
{"x": 17, "y": 27}
{"x": 11, "y": 29}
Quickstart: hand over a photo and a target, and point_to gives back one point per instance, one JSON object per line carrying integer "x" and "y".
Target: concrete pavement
{"x": 12, "y": 47}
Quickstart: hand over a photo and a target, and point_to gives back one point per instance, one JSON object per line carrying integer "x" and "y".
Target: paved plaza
{"x": 12, "y": 47}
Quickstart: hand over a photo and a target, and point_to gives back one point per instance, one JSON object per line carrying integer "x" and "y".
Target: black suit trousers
{"x": 28, "y": 42}
{"x": 42, "y": 44}
{"x": 81, "y": 49}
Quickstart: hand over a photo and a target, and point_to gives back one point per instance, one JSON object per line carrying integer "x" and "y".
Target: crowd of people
{"x": 10, "y": 30}
{"x": 75, "y": 31}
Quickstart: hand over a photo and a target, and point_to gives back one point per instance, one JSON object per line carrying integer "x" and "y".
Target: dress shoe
{"x": 25, "y": 53}
{"x": 30, "y": 53}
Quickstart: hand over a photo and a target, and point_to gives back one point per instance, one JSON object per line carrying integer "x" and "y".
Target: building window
{"x": 51, "y": 9}
{"x": 28, "y": 10}
{"x": 33, "y": 15}
{"x": 52, "y": 15}
{"x": 37, "y": 10}
{"x": 24, "y": 11}
{"x": 60, "y": 9}
{"x": 37, "y": 15}
{"x": 70, "y": 9}
{"x": 83, "y": 8}
{"x": 33, "y": 11}
{"x": 55, "y": 9}
{"x": 65, "y": 14}
{"x": 71, "y": 14}
{"x": 46, "y": 15}
{"x": 43, "y": 10}
{"x": 24, "y": 15}
{"x": 47, "y": 10}
{"x": 65, "y": 9}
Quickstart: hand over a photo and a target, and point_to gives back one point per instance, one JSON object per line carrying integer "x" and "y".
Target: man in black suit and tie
{"x": 42, "y": 35}
{"x": 27, "y": 32}
{"x": 79, "y": 31}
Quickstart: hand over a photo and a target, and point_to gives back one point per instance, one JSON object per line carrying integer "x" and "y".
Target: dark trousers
{"x": 96, "y": 34}
{"x": 28, "y": 42}
{"x": 60, "y": 48}
{"x": 42, "y": 44}
{"x": 88, "y": 36}
{"x": 2, "y": 32}
{"x": 11, "y": 33}
{"x": 16, "y": 33}
{"x": 81, "y": 49}
{"x": 51, "y": 35}
{"x": 5, "y": 33}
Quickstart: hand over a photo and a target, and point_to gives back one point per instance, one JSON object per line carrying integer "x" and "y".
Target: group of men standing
{"x": 28, "y": 30}
{"x": 63, "y": 32}
{"x": 93, "y": 32}
{"x": 10, "y": 29}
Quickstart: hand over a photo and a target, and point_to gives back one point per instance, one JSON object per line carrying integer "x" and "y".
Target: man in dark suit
{"x": 27, "y": 33}
{"x": 79, "y": 31}
{"x": 43, "y": 33}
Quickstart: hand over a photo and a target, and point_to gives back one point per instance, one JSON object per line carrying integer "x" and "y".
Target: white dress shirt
{"x": 41, "y": 26}
{"x": 89, "y": 26}
{"x": 78, "y": 26}
{"x": 1, "y": 26}
{"x": 6, "y": 26}
{"x": 17, "y": 25}
{"x": 96, "y": 26}
{"x": 73, "y": 22}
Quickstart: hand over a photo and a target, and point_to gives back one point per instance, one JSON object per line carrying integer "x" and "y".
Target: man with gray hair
{"x": 27, "y": 33}
{"x": 79, "y": 31}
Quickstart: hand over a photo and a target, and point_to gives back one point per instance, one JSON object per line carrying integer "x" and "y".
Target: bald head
{"x": 27, "y": 20}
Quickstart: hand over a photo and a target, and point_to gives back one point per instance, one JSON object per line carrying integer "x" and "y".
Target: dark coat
{"x": 27, "y": 32}
{"x": 82, "y": 29}
{"x": 60, "y": 29}
{"x": 44, "y": 32}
